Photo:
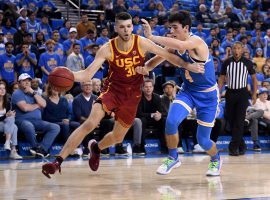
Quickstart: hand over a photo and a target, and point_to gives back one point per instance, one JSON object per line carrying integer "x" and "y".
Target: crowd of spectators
{"x": 30, "y": 49}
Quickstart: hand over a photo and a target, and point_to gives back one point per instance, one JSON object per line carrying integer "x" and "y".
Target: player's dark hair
{"x": 182, "y": 17}
{"x": 123, "y": 16}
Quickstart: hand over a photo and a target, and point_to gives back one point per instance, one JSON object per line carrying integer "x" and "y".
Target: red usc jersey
{"x": 122, "y": 66}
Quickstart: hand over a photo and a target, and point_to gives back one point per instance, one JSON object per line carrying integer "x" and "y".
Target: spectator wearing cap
{"x": 26, "y": 61}
{"x": 8, "y": 29}
{"x": 7, "y": 65}
{"x": 32, "y": 24}
{"x": 263, "y": 104}
{"x": 103, "y": 38}
{"x": 23, "y": 16}
{"x": 259, "y": 59}
{"x": 27, "y": 105}
{"x": 84, "y": 25}
{"x": 87, "y": 42}
{"x": 68, "y": 48}
{"x": 18, "y": 36}
{"x": 45, "y": 27}
{"x": 49, "y": 60}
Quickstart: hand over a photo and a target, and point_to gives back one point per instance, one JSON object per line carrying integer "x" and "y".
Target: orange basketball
{"x": 61, "y": 79}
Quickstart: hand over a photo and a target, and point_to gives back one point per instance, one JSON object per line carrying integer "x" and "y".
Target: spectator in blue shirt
{"x": 200, "y": 32}
{"x": 28, "y": 105}
{"x": 7, "y": 29}
{"x": 23, "y": 16}
{"x": 26, "y": 61}
{"x": 64, "y": 31}
{"x": 228, "y": 41}
{"x": 45, "y": 28}
{"x": 70, "y": 41}
{"x": 87, "y": 42}
{"x": 99, "y": 74}
{"x": 58, "y": 48}
{"x": 103, "y": 37}
{"x": 32, "y": 24}
{"x": 7, "y": 67}
{"x": 47, "y": 7}
{"x": 49, "y": 60}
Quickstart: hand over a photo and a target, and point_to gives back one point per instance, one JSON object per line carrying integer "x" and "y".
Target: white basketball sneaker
{"x": 167, "y": 165}
{"x": 214, "y": 167}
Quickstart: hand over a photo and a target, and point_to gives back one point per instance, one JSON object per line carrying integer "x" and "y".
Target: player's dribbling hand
{"x": 196, "y": 68}
{"x": 147, "y": 29}
{"x": 142, "y": 70}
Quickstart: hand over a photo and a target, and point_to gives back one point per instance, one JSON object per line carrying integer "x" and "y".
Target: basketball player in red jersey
{"x": 121, "y": 92}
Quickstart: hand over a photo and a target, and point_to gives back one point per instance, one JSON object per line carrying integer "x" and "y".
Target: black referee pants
{"x": 235, "y": 112}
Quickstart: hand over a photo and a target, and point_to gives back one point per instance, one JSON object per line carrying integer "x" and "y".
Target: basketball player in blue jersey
{"x": 198, "y": 91}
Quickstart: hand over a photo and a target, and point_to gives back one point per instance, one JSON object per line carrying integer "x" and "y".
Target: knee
{"x": 27, "y": 126}
{"x": 205, "y": 143}
{"x": 138, "y": 122}
{"x": 171, "y": 126}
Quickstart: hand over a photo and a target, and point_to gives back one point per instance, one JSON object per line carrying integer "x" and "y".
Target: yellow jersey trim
{"x": 124, "y": 52}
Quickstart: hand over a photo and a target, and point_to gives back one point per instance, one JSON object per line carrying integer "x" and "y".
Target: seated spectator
{"x": 68, "y": 48}
{"x": 150, "y": 111}
{"x": 228, "y": 41}
{"x": 213, "y": 34}
{"x": 96, "y": 86}
{"x": 258, "y": 41}
{"x": 244, "y": 18}
{"x": 203, "y": 16}
{"x": 100, "y": 73}
{"x": 2, "y": 43}
{"x": 57, "y": 111}
{"x": 26, "y": 61}
{"x": 35, "y": 85}
{"x": 259, "y": 59}
{"x": 263, "y": 104}
{"x": 7, "y": 123}
{"x": 28, "y": 105}
{"x": 252, "y": 117}
{"x": 233, "y": 20}
{"x": 267, "y": 44}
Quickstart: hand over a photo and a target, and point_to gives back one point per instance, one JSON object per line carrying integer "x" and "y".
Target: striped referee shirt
{"x": 237, "y": 72}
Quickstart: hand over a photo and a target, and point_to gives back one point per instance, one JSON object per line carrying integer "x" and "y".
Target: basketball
{"x": 61, "y": 79}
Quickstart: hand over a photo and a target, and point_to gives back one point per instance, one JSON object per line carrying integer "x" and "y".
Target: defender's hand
{"x": 195, "y": 68}
{"x": 147, "y": 29}
{"x": 142, "y": 70}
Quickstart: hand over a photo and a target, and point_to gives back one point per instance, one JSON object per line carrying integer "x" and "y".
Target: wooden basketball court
{"x": 242, "y": 177}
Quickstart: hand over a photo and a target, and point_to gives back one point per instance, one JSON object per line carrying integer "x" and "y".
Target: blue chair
{"x": 57, "y": 23}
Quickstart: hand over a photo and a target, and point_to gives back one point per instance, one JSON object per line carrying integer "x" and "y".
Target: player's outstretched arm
{"x": 173, "y": 43}
{"x": 89, "y": 72}
{"x": 149, "y": 46}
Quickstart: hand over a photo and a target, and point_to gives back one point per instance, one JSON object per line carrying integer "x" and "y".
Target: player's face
{"x": 124, "y": 29}
{"x": 177, "y": 30}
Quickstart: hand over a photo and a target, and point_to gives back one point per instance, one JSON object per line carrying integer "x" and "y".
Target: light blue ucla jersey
{"x": 197, "y": 81}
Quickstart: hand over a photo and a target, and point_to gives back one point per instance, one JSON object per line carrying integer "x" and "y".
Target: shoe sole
{"x": 217, "y": 173}
{"x": 178, "y": 164}
{"x": 90, "y": 153}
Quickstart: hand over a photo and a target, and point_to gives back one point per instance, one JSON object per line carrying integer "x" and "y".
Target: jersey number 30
{"x": 188, "y": 77}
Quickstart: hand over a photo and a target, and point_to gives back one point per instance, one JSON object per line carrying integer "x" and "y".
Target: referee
{"x": 235, "y": 71}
